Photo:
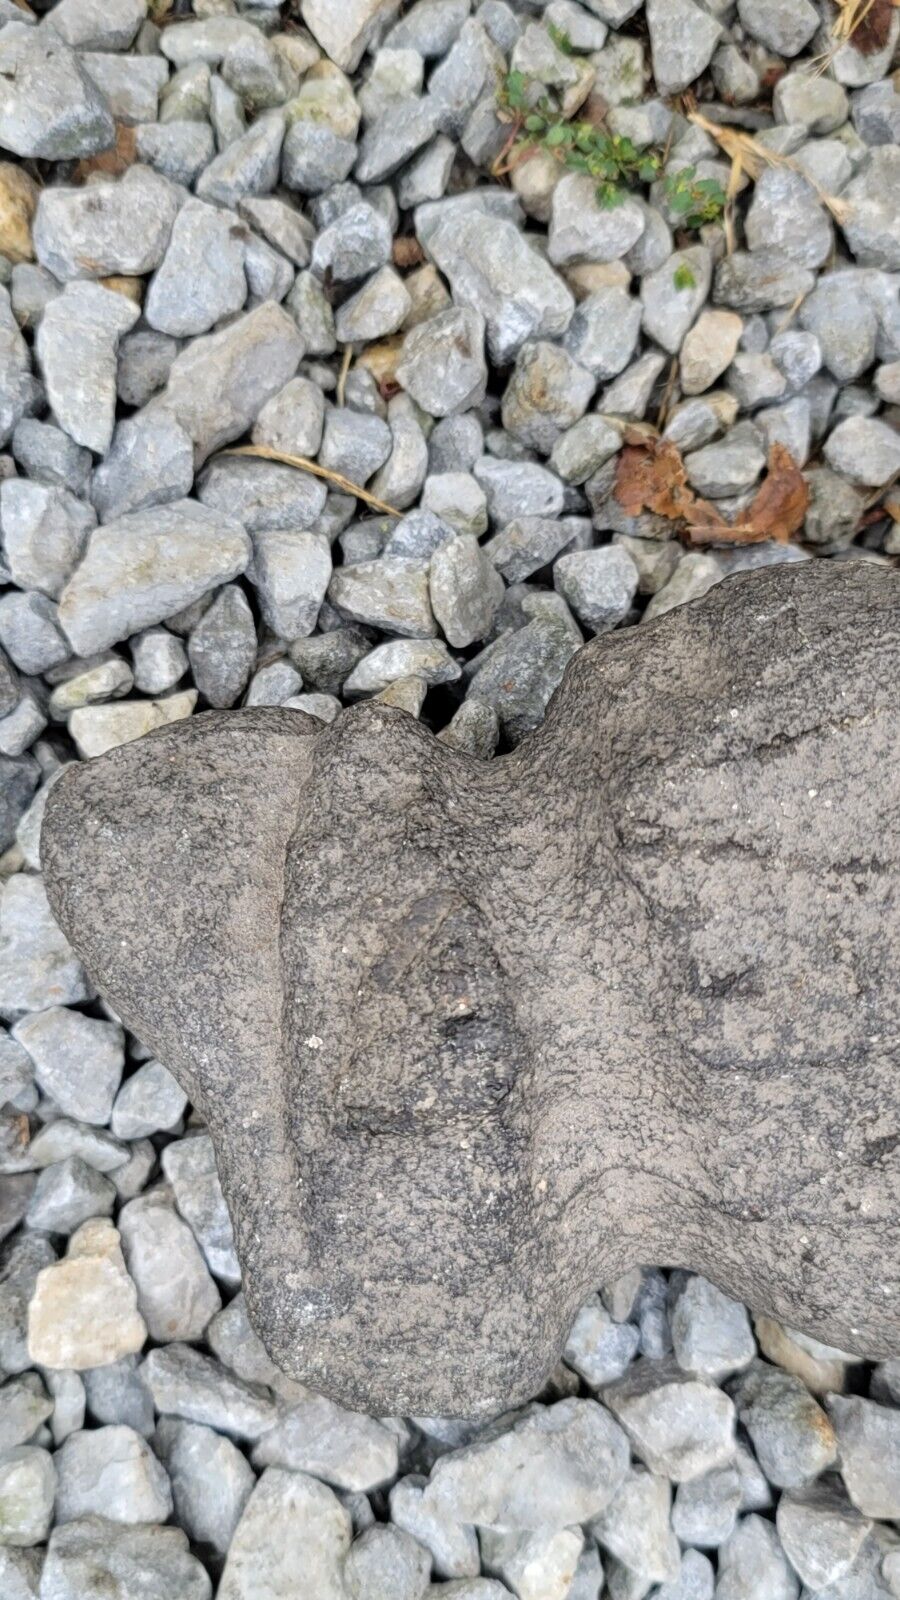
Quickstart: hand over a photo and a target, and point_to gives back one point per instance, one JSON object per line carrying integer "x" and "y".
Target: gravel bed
{"x": 314, "y": 227}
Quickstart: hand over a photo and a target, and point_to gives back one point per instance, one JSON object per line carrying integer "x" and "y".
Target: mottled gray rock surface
{"x": 716, "y": 644}
{"x": 313, "y": 228}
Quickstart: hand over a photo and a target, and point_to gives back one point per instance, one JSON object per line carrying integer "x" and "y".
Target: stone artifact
{"x": 471, "y": 1038}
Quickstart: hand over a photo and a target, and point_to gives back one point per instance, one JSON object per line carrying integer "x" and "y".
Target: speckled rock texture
{"x": 471, "y": 1038}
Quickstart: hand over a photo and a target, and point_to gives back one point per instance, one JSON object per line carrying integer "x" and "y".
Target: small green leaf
{"x": 534, "y": 123}
{"x": 648, "y": 171}
{"x": 556, "y": 135}
{"x": 684, "y": 278}
{"x": 680, "y": 203}
{"x": 560, "y": 39}
{"x": 515, "y": 86}
{"x": 610, "y": 195}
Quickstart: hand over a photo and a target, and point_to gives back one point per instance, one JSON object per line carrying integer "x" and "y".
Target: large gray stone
{"x": 442, "y": 363}
{"x": 114, "y": 226}
{"x": 146, "y": 566}
{"x": 218, "y": 383}
{"x": 77, "y": 344}
{"x": 291, "y": 1524}
{"x": 201, "y": 277}
{"x": 45, "y": 530}
{"x": 492, "y": 268}
{"x": 333, "y": 972}
{"x": 211, "y": 1480}
{"x": 93, "y": 1557}
{"x": 18, "y": 389}
{"x": 49, "y": 105}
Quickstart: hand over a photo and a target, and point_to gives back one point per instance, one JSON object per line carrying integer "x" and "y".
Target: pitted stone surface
{"x": 469, "y": 1040}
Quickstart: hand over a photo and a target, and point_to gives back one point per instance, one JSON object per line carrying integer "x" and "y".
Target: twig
{"x": 342, "y": 375}
{"x": 498, "y": 169}
{"x": 666, "y": 401}
{"x": 264, "y": 453}
{"x": 790, "y": 314}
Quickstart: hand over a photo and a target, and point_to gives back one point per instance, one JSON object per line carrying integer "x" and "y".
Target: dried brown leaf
{"x": 651, "y": 476}
{"x": 407, "y": 252}
{"x": 777, "y": 510}
{"x": 114, "y": 161}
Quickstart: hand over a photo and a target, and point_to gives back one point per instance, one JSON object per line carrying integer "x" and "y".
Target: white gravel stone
{"x": 201, "y": 277}
{"x": 465, "y": 590}
{"x": 292, "y": 571}
{"x": 113, "y": 227}
{"x": 68, "y": 1193}
{"x": 27, "y": 1488}
{"x": 145, "y": 567}
{"x": 38, "y": 968}
{"x": 45, "y": 529}
{"x": 84, "y": 1309}
{"x": 821, "y": 1533}
{"x": 24, "y": 1405}
{"x": 211, "y": 1481}
{"x": 557, "y": 1465}
{"x": 791, "y": 1435}
{"x": 682, "y": 38}
{"x": 581, "y": 229}
{"x": 49, "y": 106}
{"x": 711, "y": 1333}
{"x": 150, "y": 1101}
{"x": 453, "y": 1545}
{"x": 290, "y": 1524}
{"x": 96, "y": 729}
{"x": 188, "y": 1384}
{"x": 599, "y": 585}
{"x": 537, "y": 1566}
{"x": 95, "y": 1559}
{"x": 78, "y": 1060}
{"x": 753, "y": 1566}
{"x": 116, "y": 1393}
{"x": 190, "y": 1166}
{"x": 706, "y": 1509}
{"x": 386, "y": 1564}
{"x": 868, "y": 1438}
{"x": 218, "y": 383}
{"x": 111, "y": 1472}
{"x": 865, "y": 450}
{"x": 176, "y": 1293}
{"x": 348, "y": 1450}
{"x": 492, "y": 269}
{"x": 679, "y": 1426}
{"x": 598, "y": 1348}
{"x": 634, "y": 1529}
{"x": 60, "y": 1139}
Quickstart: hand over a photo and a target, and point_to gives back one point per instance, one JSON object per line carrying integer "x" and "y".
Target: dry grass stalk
{"x": 852, "y": 14}
{"x": 264, "y": 453}
{"x": 750, "y": 158}
{"x": 346, "y": 359}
